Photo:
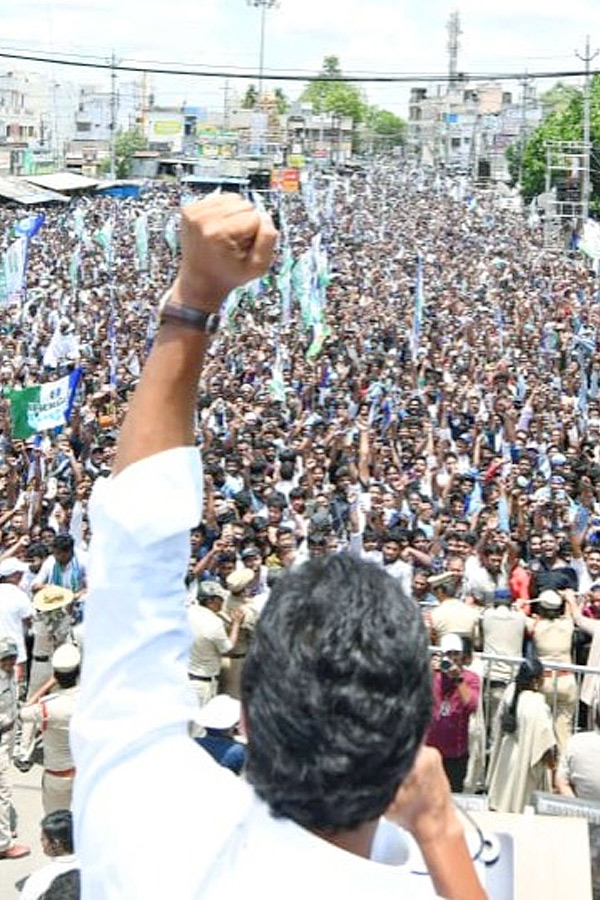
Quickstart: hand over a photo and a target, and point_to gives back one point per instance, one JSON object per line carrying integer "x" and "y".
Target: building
{"x": 467, "y": 127}
{"x": 324, "y": 138}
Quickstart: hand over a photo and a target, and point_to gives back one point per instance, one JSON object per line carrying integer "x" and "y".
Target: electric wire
{"x": 318, "y": 77}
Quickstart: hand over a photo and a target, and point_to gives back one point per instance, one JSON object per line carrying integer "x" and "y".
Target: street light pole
{"x": 263, "y": 5}
{"x": 585, "y": 193}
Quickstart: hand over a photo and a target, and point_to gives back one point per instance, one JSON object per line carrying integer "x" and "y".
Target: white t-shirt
{"x": 15, "y": 606}
{"x": 155, "y": 816}
{"x": 39, "y": 882}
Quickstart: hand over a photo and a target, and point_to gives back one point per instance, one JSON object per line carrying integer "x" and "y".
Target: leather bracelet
{"x": 190, "y": 318}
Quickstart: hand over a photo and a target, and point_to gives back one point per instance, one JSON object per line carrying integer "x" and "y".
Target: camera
{"x": 445, "y": 664}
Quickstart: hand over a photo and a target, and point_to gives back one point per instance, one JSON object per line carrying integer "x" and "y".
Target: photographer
{"x": 455, "y": 697}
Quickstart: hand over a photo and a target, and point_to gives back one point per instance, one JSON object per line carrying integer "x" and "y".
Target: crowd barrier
{"x": 483, "y": 724}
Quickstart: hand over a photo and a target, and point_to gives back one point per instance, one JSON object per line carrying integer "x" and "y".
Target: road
{"x": 27, "y": 797}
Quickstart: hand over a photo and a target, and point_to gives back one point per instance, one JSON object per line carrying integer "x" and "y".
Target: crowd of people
{"x": 440, "y": 417}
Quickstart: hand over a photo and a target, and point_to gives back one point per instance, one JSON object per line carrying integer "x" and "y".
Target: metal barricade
{"x": 483, "y": 664}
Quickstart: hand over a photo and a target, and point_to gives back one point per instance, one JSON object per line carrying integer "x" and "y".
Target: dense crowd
{"x": 459, "y": 449}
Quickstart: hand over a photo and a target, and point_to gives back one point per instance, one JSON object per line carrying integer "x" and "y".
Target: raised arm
{"x": 225, "y": 243}
{"x": 135, "y": 705}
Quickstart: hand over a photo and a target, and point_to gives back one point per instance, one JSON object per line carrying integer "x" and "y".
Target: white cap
{"x": 66, "y": 658}
{"x": 451, "y": 643}
{"x": 11, "y": 566}
{"x": 220, "y": 713}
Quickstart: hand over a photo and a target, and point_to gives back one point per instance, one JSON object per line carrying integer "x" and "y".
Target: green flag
{"x": 320, "y": 335}
{"x": 42, "y": 406}
{"x": 171, "y": 235}
{"x": 75, "y": 266}
{"x": 141, "y": 242}
{"x": 104, "y": 237}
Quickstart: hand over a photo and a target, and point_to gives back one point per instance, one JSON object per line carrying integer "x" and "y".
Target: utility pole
{"x": 454, "y": 33}
{"x": 226, "y": 105}
{"x": 585, "y": 186}
{"x": 144, "y": 99}
{"x": 263, "y": 5}
{"x": 113, "y": 116}
{"x": 525, "y": 82}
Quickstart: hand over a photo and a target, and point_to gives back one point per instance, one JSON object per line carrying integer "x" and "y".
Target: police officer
{"x": 9, "y": 849}
{"x": 52, "y": 627}
{"x": 53, "y": 715}
{"x": 238, "y": 606}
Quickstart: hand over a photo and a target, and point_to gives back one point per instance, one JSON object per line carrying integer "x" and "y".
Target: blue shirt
{"x": 224, "y": 750}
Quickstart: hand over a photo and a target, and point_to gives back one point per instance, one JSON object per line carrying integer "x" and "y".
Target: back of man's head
{"x": 57, "y": 827}
{"x": 336, "y": 691}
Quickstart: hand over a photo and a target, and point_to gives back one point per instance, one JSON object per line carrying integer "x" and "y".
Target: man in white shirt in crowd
{"x": 65, "y": 567}
{"x": 16, "y": 611}
{"x": 334, "y": 732}
{"x": 57, "y": 844}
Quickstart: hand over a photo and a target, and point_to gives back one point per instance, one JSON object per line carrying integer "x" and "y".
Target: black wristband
{"x": 190, "y": 318}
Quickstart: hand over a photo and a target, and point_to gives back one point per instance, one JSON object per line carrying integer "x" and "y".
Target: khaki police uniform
{"x": 209, "y": 644}
{"x": 53, "y": 716}
{"x": 8, "y": 715}
{"x": 231, "y": 672}
{"x": 52, "y": 627}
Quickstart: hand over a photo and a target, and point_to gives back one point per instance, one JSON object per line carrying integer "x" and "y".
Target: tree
{"x": 127, "y": 144}
{"x": 330, "y": 95}
{"x": 388, "y": 130}
{"x": 282, "y": 101}
{"x": 251, "y": 98}
{"x": 564, "y": 124}
{"x": 557, "y": 98}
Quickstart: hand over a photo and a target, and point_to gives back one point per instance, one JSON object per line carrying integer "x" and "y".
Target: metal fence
{"x": 484, "y": 663}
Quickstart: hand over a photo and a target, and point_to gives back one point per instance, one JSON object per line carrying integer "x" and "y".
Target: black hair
{"x": 276, "y": 500}
{"x": 337, "y": 693}
{"x": 67, "y": 679}
{"x": 63, "y": 543}
{"x": 530, "y": 671}
{"x": 57, "y": 827}
{"x": 287, "y": 470}
{"x": 64, "y": 887}
{"x": 38, "y": 549}
{"x": 243, "y": 502}
{"x": 227, "y": 556}
{"x": 396, "y": 536}
{"x": 493, "y": 547}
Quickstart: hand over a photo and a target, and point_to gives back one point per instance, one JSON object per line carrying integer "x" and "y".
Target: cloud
{"x": 367, "y": 35}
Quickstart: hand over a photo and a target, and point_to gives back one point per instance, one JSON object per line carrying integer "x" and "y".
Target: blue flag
{"x": 419, "y": 305}
{"x": 29, "y": 226}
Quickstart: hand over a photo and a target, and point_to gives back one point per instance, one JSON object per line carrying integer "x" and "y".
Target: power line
{"x": 408, "y": 77}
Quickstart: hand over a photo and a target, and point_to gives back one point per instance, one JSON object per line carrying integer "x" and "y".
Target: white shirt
{"x": 15, "y": 606}
{"x": 184, "y": 827}
{"x": 72, "y": 576}
{"x": 39, "y": 882}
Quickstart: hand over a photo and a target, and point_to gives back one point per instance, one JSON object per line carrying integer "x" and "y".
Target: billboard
{"x": 167, "y": 128}
{"x": 286, "y": 180}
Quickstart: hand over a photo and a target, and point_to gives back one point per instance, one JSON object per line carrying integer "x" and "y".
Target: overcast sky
{"x": 378, "y": 36}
